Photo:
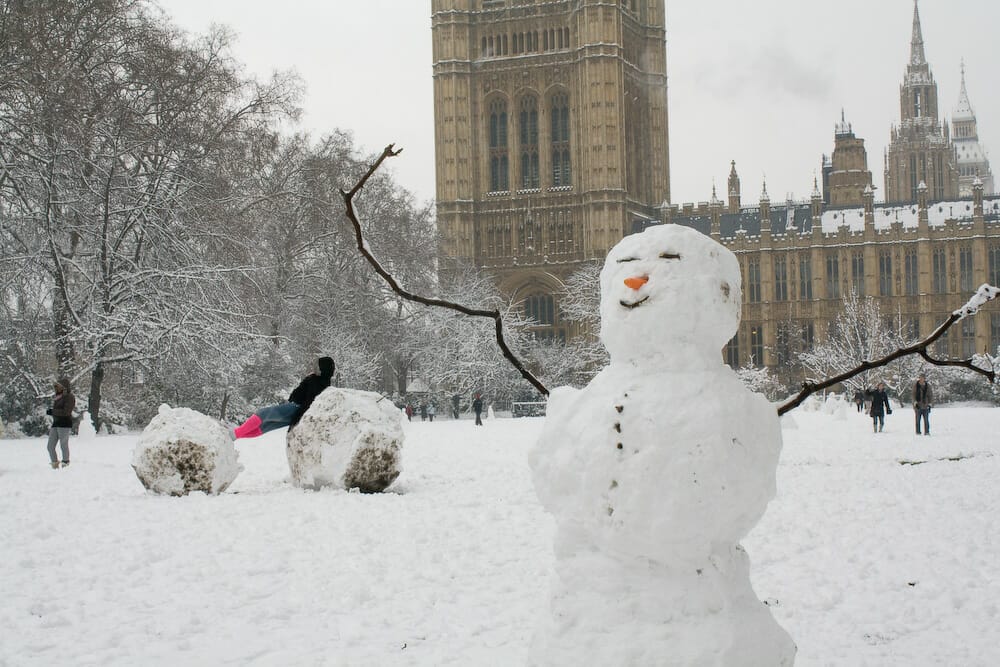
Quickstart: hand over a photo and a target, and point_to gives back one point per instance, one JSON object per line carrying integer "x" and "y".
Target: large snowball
{"x": 181, "y": 451}
{"x": 691, "y": 298}
{"x": 347, "y": 439}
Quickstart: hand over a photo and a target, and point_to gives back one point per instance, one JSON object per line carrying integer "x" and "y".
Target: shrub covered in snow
{"x": 181, "y": 451}
{"x": 347, "y": 439}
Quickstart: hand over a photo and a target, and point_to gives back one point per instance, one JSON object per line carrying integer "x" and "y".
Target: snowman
{"x": 656, "y": 470}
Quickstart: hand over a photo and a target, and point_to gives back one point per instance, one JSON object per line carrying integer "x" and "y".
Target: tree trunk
{"x": 63, "y": 327}
{"x": 94, "y": 401}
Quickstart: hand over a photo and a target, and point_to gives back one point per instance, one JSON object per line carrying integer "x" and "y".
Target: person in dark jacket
{"x": 477, "y": 407}
{"x": 290, "y": 412}
{"x": 922, "y": 399}
{"x": 62, "y": 421}
{"x": 859, "y": 399}
{"x": 880, "y": 407}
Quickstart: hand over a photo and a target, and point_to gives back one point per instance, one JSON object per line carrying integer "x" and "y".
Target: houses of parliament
{"x": 551, "y": 139}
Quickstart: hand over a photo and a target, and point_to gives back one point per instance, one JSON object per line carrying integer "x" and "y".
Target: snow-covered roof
{"x": 795, "y": 218}
{"x": 939, "y": 213}
{"x": 852, "y": 218}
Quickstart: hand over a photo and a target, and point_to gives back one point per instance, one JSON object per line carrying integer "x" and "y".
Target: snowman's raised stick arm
{"x": 389, "y": 152}
{"x": 985, "y": 294}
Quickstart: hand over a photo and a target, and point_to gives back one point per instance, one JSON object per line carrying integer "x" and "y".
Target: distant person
{"x": 290, "y": 412}
{"x": 409, "y": 412}
{"x": 431, "y": 411}
{"x": 922, "y": 399}
{"x": 477, "y": 407}
{"x": 880, "y": 407}
{"x": 423, "y": 412}
{"x": 454, "y": 406}
{"x": 859, "y": 400}
{"x": 62, "y": 421}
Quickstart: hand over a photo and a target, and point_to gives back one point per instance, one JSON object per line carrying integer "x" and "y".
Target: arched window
{"x": 540, "y": 308}
{"x": 559, "y": 113}
{"x": 939, "y": 271}
{"x": 733, "y": 352}
{"x": 528, "y": 125}
{"x": 499, "y": 159}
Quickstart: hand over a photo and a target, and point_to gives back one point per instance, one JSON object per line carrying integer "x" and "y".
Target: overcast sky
{"x": 759, "y": 82}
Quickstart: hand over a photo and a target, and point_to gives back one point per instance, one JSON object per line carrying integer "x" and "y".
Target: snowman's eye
{"x": 669, "y": 255}
{"x": 628, "y": 259}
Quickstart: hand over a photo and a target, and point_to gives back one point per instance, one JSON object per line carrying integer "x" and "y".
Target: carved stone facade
{"x": 551, "y": 140}
{"x": 920, "y": 149}
{"x": 921, "y": 261}
{"x": 550, "y": 135}
{"x": 922, "y": 254}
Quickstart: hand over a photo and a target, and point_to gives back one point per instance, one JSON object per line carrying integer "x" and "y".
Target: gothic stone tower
{"x": 848, "y": 177}
{"x": 973, "y": 164}
{"x": 920, "y": 150}
{"x": 550, "y": 135}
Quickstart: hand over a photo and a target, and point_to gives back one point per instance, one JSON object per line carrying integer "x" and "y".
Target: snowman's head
{"x": 669, "y": 287}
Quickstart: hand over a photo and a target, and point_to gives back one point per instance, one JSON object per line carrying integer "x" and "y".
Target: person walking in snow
{"x": 423, "y": 412}
{"x": 290, "y": 412}
{"x": 431, "y": 411}
{"x": 409, "y": 412}
{"x": 454, "y": 406}
{"x": 859, "y": 400}
{"x": 62, "y": 421}
{"x": 880, "y": 407}
{"x": 477, "y": 407}
{"x": 922, "y": 399}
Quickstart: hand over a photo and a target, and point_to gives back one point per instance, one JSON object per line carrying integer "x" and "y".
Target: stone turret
{"x": 734, "y": 189}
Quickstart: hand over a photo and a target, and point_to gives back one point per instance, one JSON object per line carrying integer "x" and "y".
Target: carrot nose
{"x": 636, "y": 282}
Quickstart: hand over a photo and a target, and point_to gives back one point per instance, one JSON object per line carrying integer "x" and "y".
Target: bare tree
{"x": 983, "y": 295}
{"x": 110, "y": 142}
{"x": 859, "y": 332}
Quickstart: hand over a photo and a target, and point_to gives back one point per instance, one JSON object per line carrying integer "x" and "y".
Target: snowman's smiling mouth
{"x": 634, "y": 304}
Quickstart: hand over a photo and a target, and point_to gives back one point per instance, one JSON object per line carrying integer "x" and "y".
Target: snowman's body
{"x": 656, "y": 470}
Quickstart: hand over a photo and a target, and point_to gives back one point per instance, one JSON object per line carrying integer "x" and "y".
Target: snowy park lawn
{"x": 879, "y": 550}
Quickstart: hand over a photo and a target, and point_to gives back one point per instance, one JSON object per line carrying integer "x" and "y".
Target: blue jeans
{"x": 277, "y": 416}
{"x": 925, "y": 413}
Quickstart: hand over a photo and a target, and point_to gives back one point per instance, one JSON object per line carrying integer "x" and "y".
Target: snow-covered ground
{"x": 865, "y": 558}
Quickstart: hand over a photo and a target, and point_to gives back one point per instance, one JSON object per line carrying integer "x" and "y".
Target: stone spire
{"x": 964, "y": 109}
{"x": 843, "y": 127}
{"x": 734, "y": 189}
{"x": 972, "y": 161}
{"x": 917, "y": 41}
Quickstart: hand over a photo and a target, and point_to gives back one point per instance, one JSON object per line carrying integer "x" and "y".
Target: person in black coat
{"x": 923, "y": 397}
{"x": 477, "y": 407}
{"x": 290, "y": 412}
{"x": 880, "y": 407}
{"x": 62, "y": 421}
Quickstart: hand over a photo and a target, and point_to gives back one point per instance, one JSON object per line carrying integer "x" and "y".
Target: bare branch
{"x": 440, "y": 303}
{"x": 985, "y": 294}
